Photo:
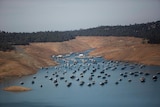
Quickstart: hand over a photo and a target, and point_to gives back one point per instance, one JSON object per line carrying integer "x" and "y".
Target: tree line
{"x": 9, "y": 40}
{"x": 149, "y": 31}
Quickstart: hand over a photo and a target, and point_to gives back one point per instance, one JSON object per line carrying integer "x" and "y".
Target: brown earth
{"x": 26, "y": 60}
{"x": 16, "y": 89}
{"x": 127, "y": 49}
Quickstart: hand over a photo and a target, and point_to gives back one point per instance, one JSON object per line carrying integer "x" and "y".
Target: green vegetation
{"x": 149, "y": 32}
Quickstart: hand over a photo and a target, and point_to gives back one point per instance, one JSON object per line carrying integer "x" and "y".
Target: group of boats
{"x": 90, "y": 71}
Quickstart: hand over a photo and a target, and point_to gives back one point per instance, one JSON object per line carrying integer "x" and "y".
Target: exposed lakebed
{"x": 83, "y": 81}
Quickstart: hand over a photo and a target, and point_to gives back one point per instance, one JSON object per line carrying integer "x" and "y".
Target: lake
{"x": 83, "y": 81}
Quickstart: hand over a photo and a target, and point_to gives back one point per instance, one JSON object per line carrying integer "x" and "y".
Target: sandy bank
{"x": 128, "y": 49}
{"x": 16, "y": 89}
{"x": 26, "y": 60}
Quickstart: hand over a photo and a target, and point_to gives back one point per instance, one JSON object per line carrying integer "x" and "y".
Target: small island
{"x": 17, "y": 89}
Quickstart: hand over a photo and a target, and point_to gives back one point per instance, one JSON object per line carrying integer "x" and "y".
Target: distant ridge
{"x": 149, "y": 31}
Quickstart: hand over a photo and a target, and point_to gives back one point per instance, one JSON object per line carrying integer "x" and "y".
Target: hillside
{"x": 26, "y": 60}
{"x": 125, "y": 49}
{"x": 149, "y": 31}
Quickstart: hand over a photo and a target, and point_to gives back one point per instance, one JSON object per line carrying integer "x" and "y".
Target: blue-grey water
{"x": 121, "y": 85}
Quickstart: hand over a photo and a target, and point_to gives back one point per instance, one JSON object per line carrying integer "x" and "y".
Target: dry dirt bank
{"x": 125, "y": 49}
{"x": 28, "y": 59}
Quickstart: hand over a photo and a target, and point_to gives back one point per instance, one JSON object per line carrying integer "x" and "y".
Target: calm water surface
{"x": 122, "y": 89}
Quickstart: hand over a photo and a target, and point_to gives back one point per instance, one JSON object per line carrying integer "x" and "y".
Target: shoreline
{"x": 130, "y": 61}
